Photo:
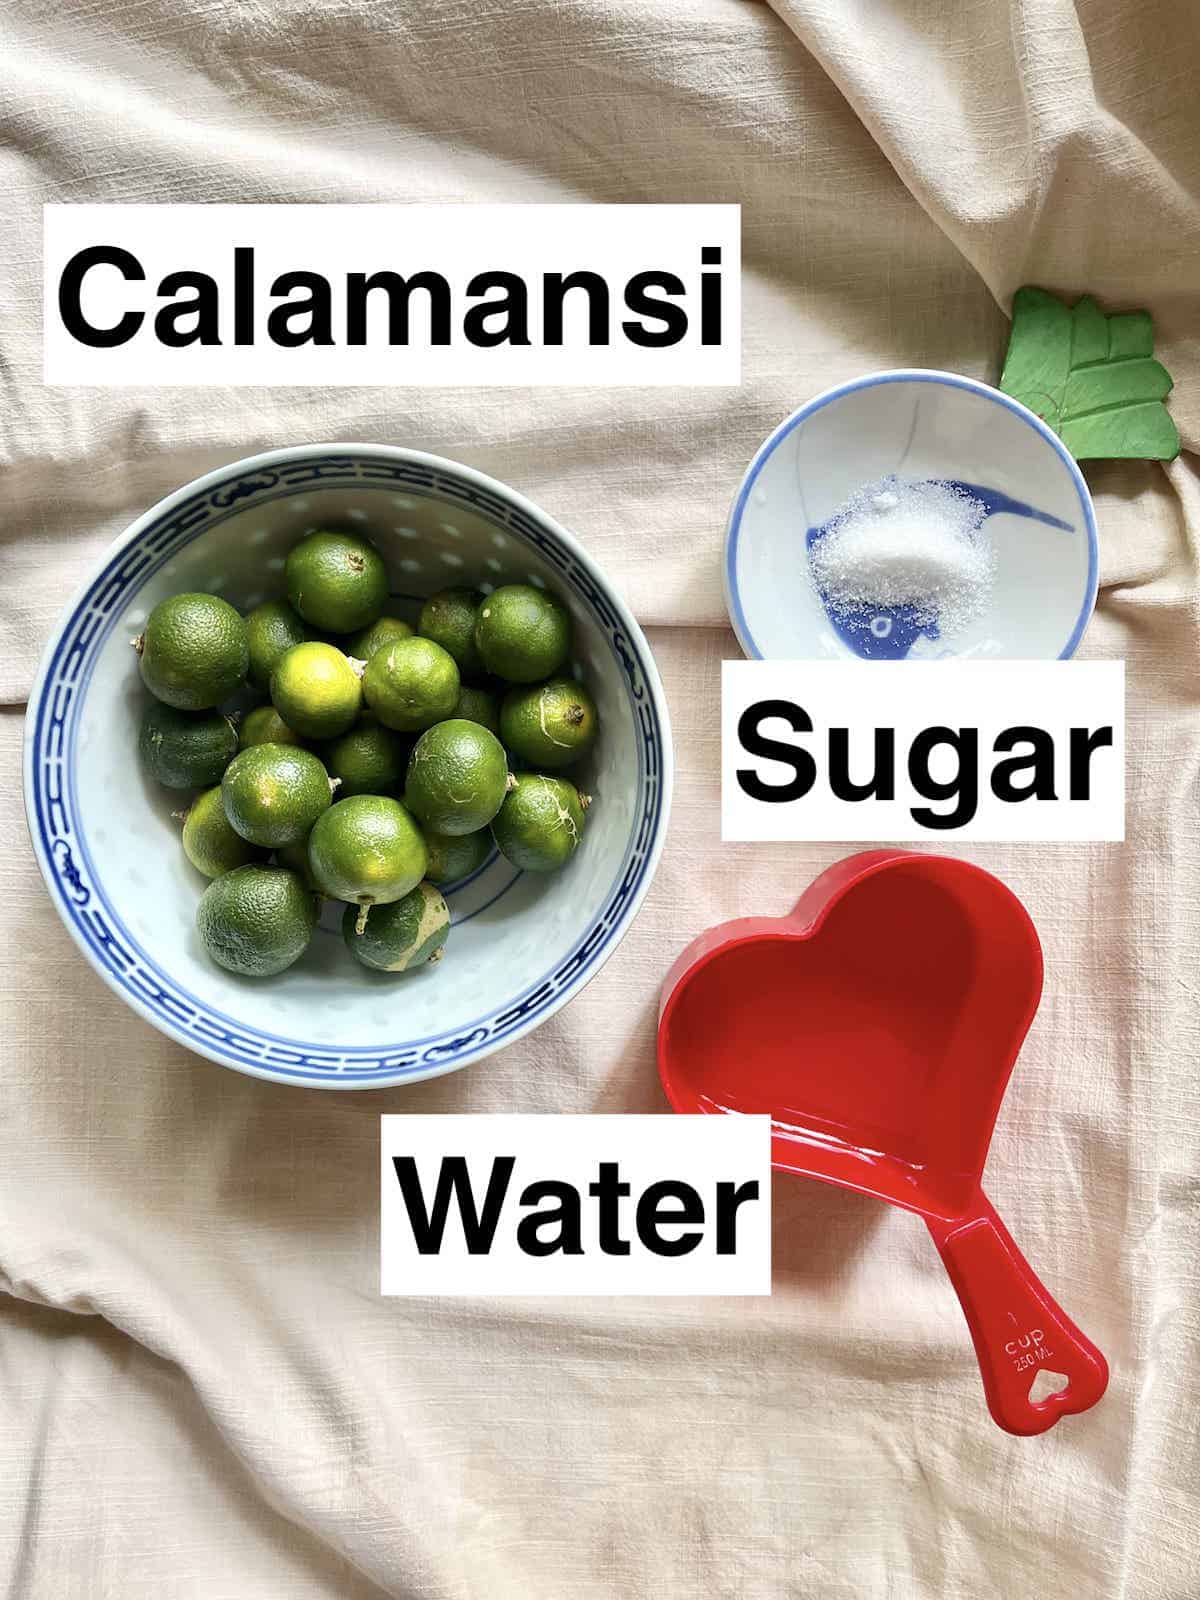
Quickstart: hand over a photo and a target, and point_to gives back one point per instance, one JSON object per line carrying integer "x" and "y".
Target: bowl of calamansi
{"x": 347, "y": 766}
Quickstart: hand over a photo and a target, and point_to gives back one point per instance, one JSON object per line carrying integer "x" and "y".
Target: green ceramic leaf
{"x": 1092, "y": 377}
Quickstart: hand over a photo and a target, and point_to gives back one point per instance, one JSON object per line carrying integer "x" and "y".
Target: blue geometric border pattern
{"x": 81, "y": 894}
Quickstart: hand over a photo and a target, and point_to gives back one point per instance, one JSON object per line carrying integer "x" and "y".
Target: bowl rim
{"x": 951, "y": 380}
{"x": 399, "y": 454}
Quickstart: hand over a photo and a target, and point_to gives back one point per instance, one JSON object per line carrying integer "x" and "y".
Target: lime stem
{"x": 364, "y": 911}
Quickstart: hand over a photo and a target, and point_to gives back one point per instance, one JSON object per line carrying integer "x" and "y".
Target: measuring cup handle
{"x": 1017, "y": 1329}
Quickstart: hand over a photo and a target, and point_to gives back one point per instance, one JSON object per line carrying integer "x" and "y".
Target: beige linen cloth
{"x": 201, "y": 1392}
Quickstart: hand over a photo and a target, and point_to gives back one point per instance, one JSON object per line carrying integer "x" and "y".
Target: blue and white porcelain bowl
{"x": 913, "y": 425}
{"x": 521, "y": 945}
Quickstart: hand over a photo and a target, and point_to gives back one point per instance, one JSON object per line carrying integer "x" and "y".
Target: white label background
{"x": 909, "y": 696}
{"x": 699, "y": 1150}
{"x": 457, "y": 241}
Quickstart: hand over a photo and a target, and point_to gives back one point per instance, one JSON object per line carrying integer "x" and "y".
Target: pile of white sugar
{"x": 917, "y": 544}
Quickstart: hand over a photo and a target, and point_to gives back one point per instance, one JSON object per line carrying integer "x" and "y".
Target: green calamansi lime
{"x": 370, "y": 759}
{"x": 193, "y": 652}
{"x": 185, "y": 749}
{"x": 273, "y": 793}
{"x": 264, "y": 725}
{"x": 548, "y": 724}
{"x": 522, "y": 633}
{"x": 337, "y": 581}
{"x": 411, "y": 684}
{"x": 316, "y": 690}
{"x": 271, "y": 631}
{"x": 540, "y": 824}
{"x": 478, "y": 705}
{"x": 455, "y": 856}
{"x": 367, "y": 850}
{"x": 448, "y": 618}
{"x": 256, "y": 920}
{"x": 295, "y": 858}
{"x": 457, "y": 777}
{"x": 401, "y": 936}
{"x": 209, "y": 843}
{"x": 385, "y": 630}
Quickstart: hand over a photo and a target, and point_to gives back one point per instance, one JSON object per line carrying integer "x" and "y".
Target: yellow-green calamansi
{"x": 411, "y": 684}
{"x": 336, "y": 581}
{"x": 370, "y": 759}
{"x": 522, "y": 633}
{"x": 209, "y": 842}
{"x": 384, "y": 630}
{"x": 379, "y": 772}
{"x": 185, "y": 749}
{"x": 455, "y": 856}
{"x": 257, "y": 920}
{"x": 316, "y": 690}
{"x": 271, "y": 630}
{"x": 399, "y": 937}
{"x": 540, "y": 824}
{"x": 457, "y": 777}
{"x": 366, "y": 850}
{"x": 549, "y": 725}
{"x": 448, "y": 618}
{"x": 274, "y": 793}
{"x": 264, "y": 725}
{"x": 193, "y": 652}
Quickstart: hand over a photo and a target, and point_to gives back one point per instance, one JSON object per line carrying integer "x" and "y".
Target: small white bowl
{"x": 521, "y": 945}
{"x": 913, "y": 425}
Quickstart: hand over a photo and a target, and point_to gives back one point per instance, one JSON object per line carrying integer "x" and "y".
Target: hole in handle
{"x": 1046, "y": 1383}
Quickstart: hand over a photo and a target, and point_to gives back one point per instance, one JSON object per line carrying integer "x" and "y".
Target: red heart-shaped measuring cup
{"x": 877, "y": 1025}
